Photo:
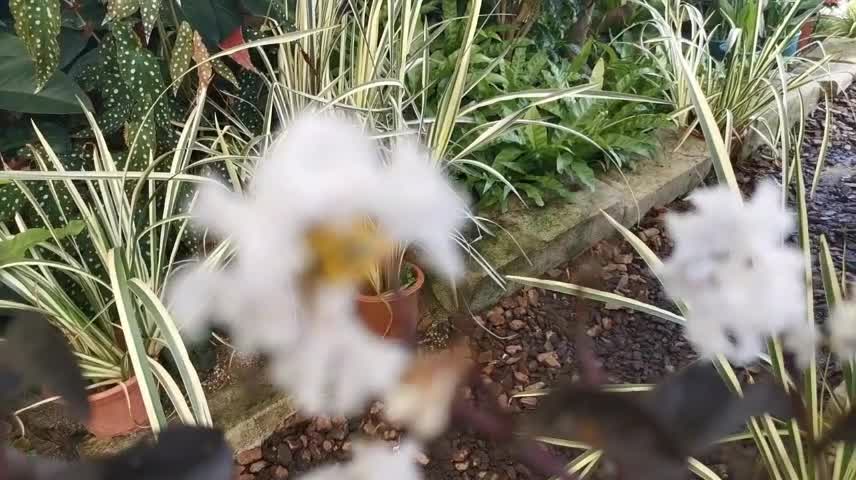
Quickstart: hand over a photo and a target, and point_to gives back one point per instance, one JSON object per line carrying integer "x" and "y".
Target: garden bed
{"x": 524, "y": 341}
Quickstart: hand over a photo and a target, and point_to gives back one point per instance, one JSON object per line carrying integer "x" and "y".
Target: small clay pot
{"x": 393, "y": 316}
{"x": 117, "y": 411}
{"x": 806, "y": 33}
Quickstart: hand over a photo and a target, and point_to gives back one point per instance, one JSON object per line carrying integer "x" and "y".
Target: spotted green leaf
{"x": 181, "y": 53}
{"x": 205, "y": 71}
{"x": 141, "y": 137}
{"x": 224, "y": 71}
{"x": 149, "y": 10}
{"x": 38, "y": 23}
{"x": 11, "y": 200}
{"x": 119, "y": 9}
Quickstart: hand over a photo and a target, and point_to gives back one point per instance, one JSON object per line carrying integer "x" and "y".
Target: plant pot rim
{"x": 113, "y": 390}
{"x": 385, "y": 296}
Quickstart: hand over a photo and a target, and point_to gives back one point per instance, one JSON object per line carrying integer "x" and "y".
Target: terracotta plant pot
{"x": 806, "y": 32}
{"x": 391, "y": 316}
{"x": 111, "y": 415}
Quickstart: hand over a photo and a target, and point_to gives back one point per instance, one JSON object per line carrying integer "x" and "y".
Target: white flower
{"x": 373, "y": 462}
{"x": 842, "y": 329}
{"x": 423, "y": 399}
{"x": 338, "y": 366}
{"x": 732, "y": 268}
{"x": 325, "y": 206}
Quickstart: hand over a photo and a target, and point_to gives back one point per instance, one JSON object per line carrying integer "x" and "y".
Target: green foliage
{"x": 844, "y": 26}
{"x": 17, "y": 70}
{"x": 215, "y": 20}
{"x": 564, "y": 143}
{"x": 15, "y": 247}
{"x": 37, "y": 22}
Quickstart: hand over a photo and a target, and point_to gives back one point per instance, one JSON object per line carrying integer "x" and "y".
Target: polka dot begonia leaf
{"x": 224, "y": 71}
{"x": 149, "y": 10}
{"x": 119, "y": 9}
{"x": 38, "y": 23}
{"x": 181, "y": 53}
{"x": 205, "y": 71}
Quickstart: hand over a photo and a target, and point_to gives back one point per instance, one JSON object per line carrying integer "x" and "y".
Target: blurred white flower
{"x": 337, "y": 366}
{"x": 373, "y": 462}
{"x": 325, "y": 205}
{"x": 731, "y": 267}
{"x": 422, "y": 401}
{"x": 842, "y": 329}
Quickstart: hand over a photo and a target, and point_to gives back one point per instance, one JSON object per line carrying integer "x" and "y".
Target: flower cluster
{"x": 325, "y": 206}
{"x": 741, "y": 282}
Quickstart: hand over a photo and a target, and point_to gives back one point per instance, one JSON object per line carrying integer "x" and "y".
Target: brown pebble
{"x": 651, "y": 232}
{"x": 258, "y": 466}
{"x": 508, "y": 303}
{"x": 496, "y": 319}
{"x": 533, "y": 297}
{"x": 625, "y": 259}
{"x": 461, "y": 454}
{"x": 249, "y": 456}
{"x": 327, "y": 446}
{"x": 280, "y": 473}
{"x": 502, "y": 400}
{"x": 606, "y": 323}
{"x": 517, "y": 324}
{"x": 323, "y": 424}
{"x": 551, "y": 359}
{"x": 346, "y": 447}
{"x": 594, "y": 331}
{"x": 521, "y": 377}
{"x": 512, "y": 349}
{"x": 520, "y": 312}
{"x": 513, "y": 360}
{"x": 462, "y": 466}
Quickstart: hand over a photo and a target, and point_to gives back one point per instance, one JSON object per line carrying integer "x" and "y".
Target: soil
{"x": 524, "y": 342}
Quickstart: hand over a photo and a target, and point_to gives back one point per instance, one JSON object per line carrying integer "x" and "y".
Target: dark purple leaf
{"x": 38, "y": 354}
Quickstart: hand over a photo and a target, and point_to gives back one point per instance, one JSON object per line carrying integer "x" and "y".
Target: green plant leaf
{"x": 119, "y": 9}
{"x": 59, "y": 96}
{"x": 224, "y": 71}
{"x": 215, "y": 20}
{"x": 37, "y": 23}
{"x": 181, "y": 53}
{"x": 149, "y": 11}
{"x": 71, "y": 43}
{"x": 583, "y": 173}
{"x": 14, "y": 248}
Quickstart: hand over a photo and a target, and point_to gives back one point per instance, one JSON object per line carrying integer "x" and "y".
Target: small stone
{"x": 622, "y": 282}
{"x": 461, "y": 454}
{"x": 346, "y": 447}
{"x": 422, "y": 459}
{"x": 502, "y": 399}
{"x": 327, "y": 446}
{"x": 533, "y": 297}
{"x": 249, "y": 456}
{"x": 594, "y": 331}
{"x": 294, "y": 443}
{"x": 323, "y": 424}
{"x": 517, "y": 324}
{"x": 551, "y": 359}
{"x": 508, "y": 303}
{"x": 607, "y": 323}
{"x": 625, "y": 259}
{"x": 496, "y": 319}
{"x": 509, "y": 314}
{"x": 520, "y": 311}
{"x": 247, "y": 476}
{"x": 512, "y": 349}
{"x": 651, "y": 232}
{"x": 462, "y": 466}
{"x": 529, "y": 401}
{"x": 513, "y": 360}
{"x": 258, "y": 466}
{"x": 615, "y": 267}
{"x": 280, "y": 473}
{"x": 283, "y": 455}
